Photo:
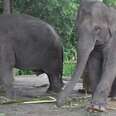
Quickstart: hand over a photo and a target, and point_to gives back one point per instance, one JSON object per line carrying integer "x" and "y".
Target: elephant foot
{"x": 112, "y": 96}
{"x": 53, "y": 90}
{"x": 60, "y": 102}
{"x": 61, "y": 99}
{"x": 96, "y": 108}
{"x": 11, "y": 93}
{"x": 83, "y": 91}
{"x": 8, "y": 92}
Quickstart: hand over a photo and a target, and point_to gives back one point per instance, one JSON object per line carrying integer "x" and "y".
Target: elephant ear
{"x": 111, "y": 20}
{"x": 110, "y": 32}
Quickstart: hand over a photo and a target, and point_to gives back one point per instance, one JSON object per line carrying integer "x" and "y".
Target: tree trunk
{"x": 7, "y": 7}
{"x": 91, "y": 0}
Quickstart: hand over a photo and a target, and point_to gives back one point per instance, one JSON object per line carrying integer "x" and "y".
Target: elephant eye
{"x": 97, "y": 29}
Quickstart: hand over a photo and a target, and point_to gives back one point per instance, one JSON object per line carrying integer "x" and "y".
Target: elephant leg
{"x": 85, "y": 48}
{"x": 6, "y": 69}
{"x": 86, "y": 82}
{"x": 55, "y": 77}
{"x": 99, "y": 101}
{"x": 94, "y": 67}
{"x": 6, "y": 76}
{"x": 113, "y": 90}
{"x": 55, "y": 83}
{"x": 92, "y": 73}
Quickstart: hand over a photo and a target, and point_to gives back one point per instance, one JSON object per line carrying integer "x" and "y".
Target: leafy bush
{"x": 68, "y": 69}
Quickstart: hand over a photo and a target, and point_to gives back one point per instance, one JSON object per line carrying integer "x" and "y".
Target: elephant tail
{"x": 61, "y": 58}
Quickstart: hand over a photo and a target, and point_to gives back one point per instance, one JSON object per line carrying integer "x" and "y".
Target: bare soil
{"x": 37, "y": 86}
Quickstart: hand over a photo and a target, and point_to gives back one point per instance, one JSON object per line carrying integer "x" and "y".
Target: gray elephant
{"x": 96, "y": 27}
{"x": 29, "y": 43}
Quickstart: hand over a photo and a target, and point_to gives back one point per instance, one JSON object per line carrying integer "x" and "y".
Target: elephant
{"x": 96, "y": 29}
{"x": 27, "y": 42}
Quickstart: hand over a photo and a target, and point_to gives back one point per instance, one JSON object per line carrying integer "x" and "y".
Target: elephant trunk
{"x": 85, "y": 48}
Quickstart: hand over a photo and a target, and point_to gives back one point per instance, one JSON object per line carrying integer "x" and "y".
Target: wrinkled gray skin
{"x": 94, "y": 69}
{"x": 96, "y": 25}
{"x": 29, "y": 43}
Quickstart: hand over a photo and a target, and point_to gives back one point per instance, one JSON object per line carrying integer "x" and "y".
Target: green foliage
{"x": 68, "y": 68}
{"x": 23, "y": 72}
{"x": 110, "y": 2}
{"x": 1, "y": 6}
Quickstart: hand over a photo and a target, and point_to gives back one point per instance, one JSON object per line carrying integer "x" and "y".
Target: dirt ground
{"x": 36, "y": 86}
